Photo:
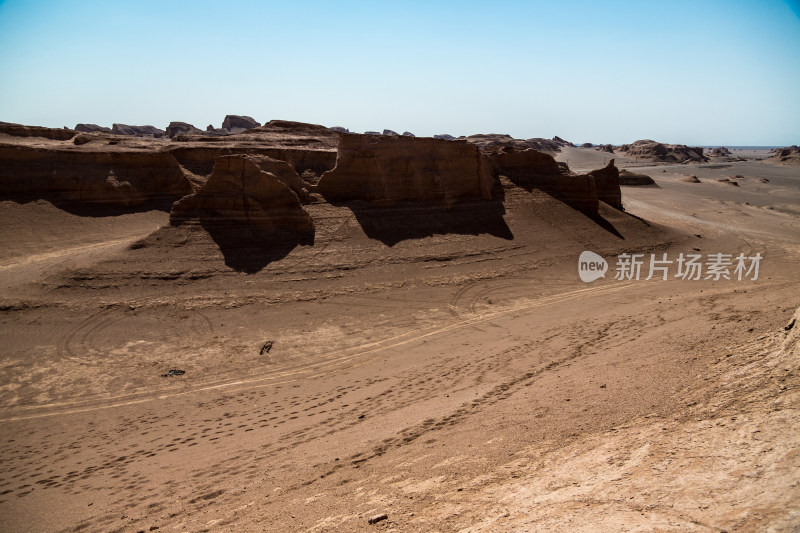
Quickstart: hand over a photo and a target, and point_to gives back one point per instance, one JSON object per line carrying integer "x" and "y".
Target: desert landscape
{"x": 292, "y": 327}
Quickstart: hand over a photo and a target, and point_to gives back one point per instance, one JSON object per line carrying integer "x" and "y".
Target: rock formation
{"x": 241, "y": 193}
{"x": 561, "y": 142}
{"x": 532, "y": 169}
{"x": 633, "y": 179}
{"x": 306, "y": 147}
{"x": 182, "y": 128}
{"x": 720, "y": 151}
{"x": 587, "y": 145}
{"x": 390, "y": 132}
{"x": 138, "y": 131}
{"x": 605, "y": 148}
{"x": 104, "y": 177}
{"x": 387, "y": 169}
{"x": 408, "y": 134}
{"x": 91, "y": 128}
{"x": 488, "y": 141}
{"x": 339, "y": 129}
{"x": 607, "y": 182}
{"x": 19, "y": 130}
{"x": 665, "y": 153}
{"x": 789, "y": 155}
{"x": 239, "y": 123}
{"x": 444, "y": 137}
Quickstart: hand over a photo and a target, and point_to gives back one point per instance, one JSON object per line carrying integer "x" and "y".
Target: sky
{"x": 691, "y": 72}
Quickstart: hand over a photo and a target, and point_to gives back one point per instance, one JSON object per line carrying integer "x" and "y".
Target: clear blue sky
{"x": 694, "y": 72}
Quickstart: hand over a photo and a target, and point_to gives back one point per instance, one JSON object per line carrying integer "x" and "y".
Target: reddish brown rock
{"x": 665, "y": 153}
{"x": 789, "y": 155}
{"x": 532, "y": 169}
{"x": 634, "y": 179}
{"x": 239, "y": 192}
{"x": 19, "y": 130}
{"x": 239, "y": 123}
{"x": 387, "y": 169}
{"x": 120, "y": 178}
{"x": 137, "y": 131}
{"x": 607, "y": 182}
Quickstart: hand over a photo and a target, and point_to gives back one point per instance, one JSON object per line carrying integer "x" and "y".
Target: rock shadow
{"x": 249, "y": 249}
{"x": 395, "y": 223}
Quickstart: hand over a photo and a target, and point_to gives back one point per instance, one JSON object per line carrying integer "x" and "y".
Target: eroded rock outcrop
{"x": 388, "y": 169}
{"x": 239, "y": 123}
{"x": 664, "y": 153}
{"x": 119, "y": 178}
{"x": 493, "y": 141}
{"x": 606, "y": 180}
{"x": 91, "y": 128}
{"x": 789, "y": 155}
{"x": 306, "y": 147}
{"x": 182, "y": 128}
{"x": 532, "y": 169}
{"x": 720, "y": 151}
{"x": 633, "y": 179}
{"x": 20, "y": 130}
{"x": 241, "y": 193}
{"x": 137, "y": 131}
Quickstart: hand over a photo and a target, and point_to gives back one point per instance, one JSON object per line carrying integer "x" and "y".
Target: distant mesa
{"x": 242, "y": 192}
{"x": 138, "y": 131}
{"x": 390, "y": 132}
{"x": 182, "y": 128}
{"x": 665, "y": 153}
{"x": 239, "y": 123}
{"x": 587, "y": 145}
{"x": 339, "y": 129}
{"x": 387, "y": 170}
{"x": 632, "y": 179}
{"x": 19, "y": 130}
{"x": 444, "y": 137}
{"x": 92, "y": 128}
{"x": 488, "y": 141}
{"x": 605, "y": 148}
{"x": 408, "y": 134}
{"x": 372, "y": 133}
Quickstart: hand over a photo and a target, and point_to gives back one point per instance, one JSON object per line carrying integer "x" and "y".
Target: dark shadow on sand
{"x": 249, "y": 249}
{"x": 392, "y": 224}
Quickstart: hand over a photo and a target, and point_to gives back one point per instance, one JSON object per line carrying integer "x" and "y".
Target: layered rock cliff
{"x": 241, "y": 193}
{"x": 389, "y": 169}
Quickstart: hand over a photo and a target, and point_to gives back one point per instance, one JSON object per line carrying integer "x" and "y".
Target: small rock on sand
{"x": 377, "y": 518}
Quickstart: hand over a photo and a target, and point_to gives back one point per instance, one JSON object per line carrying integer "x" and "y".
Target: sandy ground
{"x": 456, "y": 381}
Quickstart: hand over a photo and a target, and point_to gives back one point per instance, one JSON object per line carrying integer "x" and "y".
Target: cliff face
{"x": 240, "y": 192}
{"x": 389, "y": 169}
{"x": 532, "y": 169}
{"x": 19, "y": 130}
{"x": 111, "y": 178}
{"x": 607, "y": 182}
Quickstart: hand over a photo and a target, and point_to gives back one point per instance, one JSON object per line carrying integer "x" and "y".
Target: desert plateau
{"x": 290, "y": 327}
